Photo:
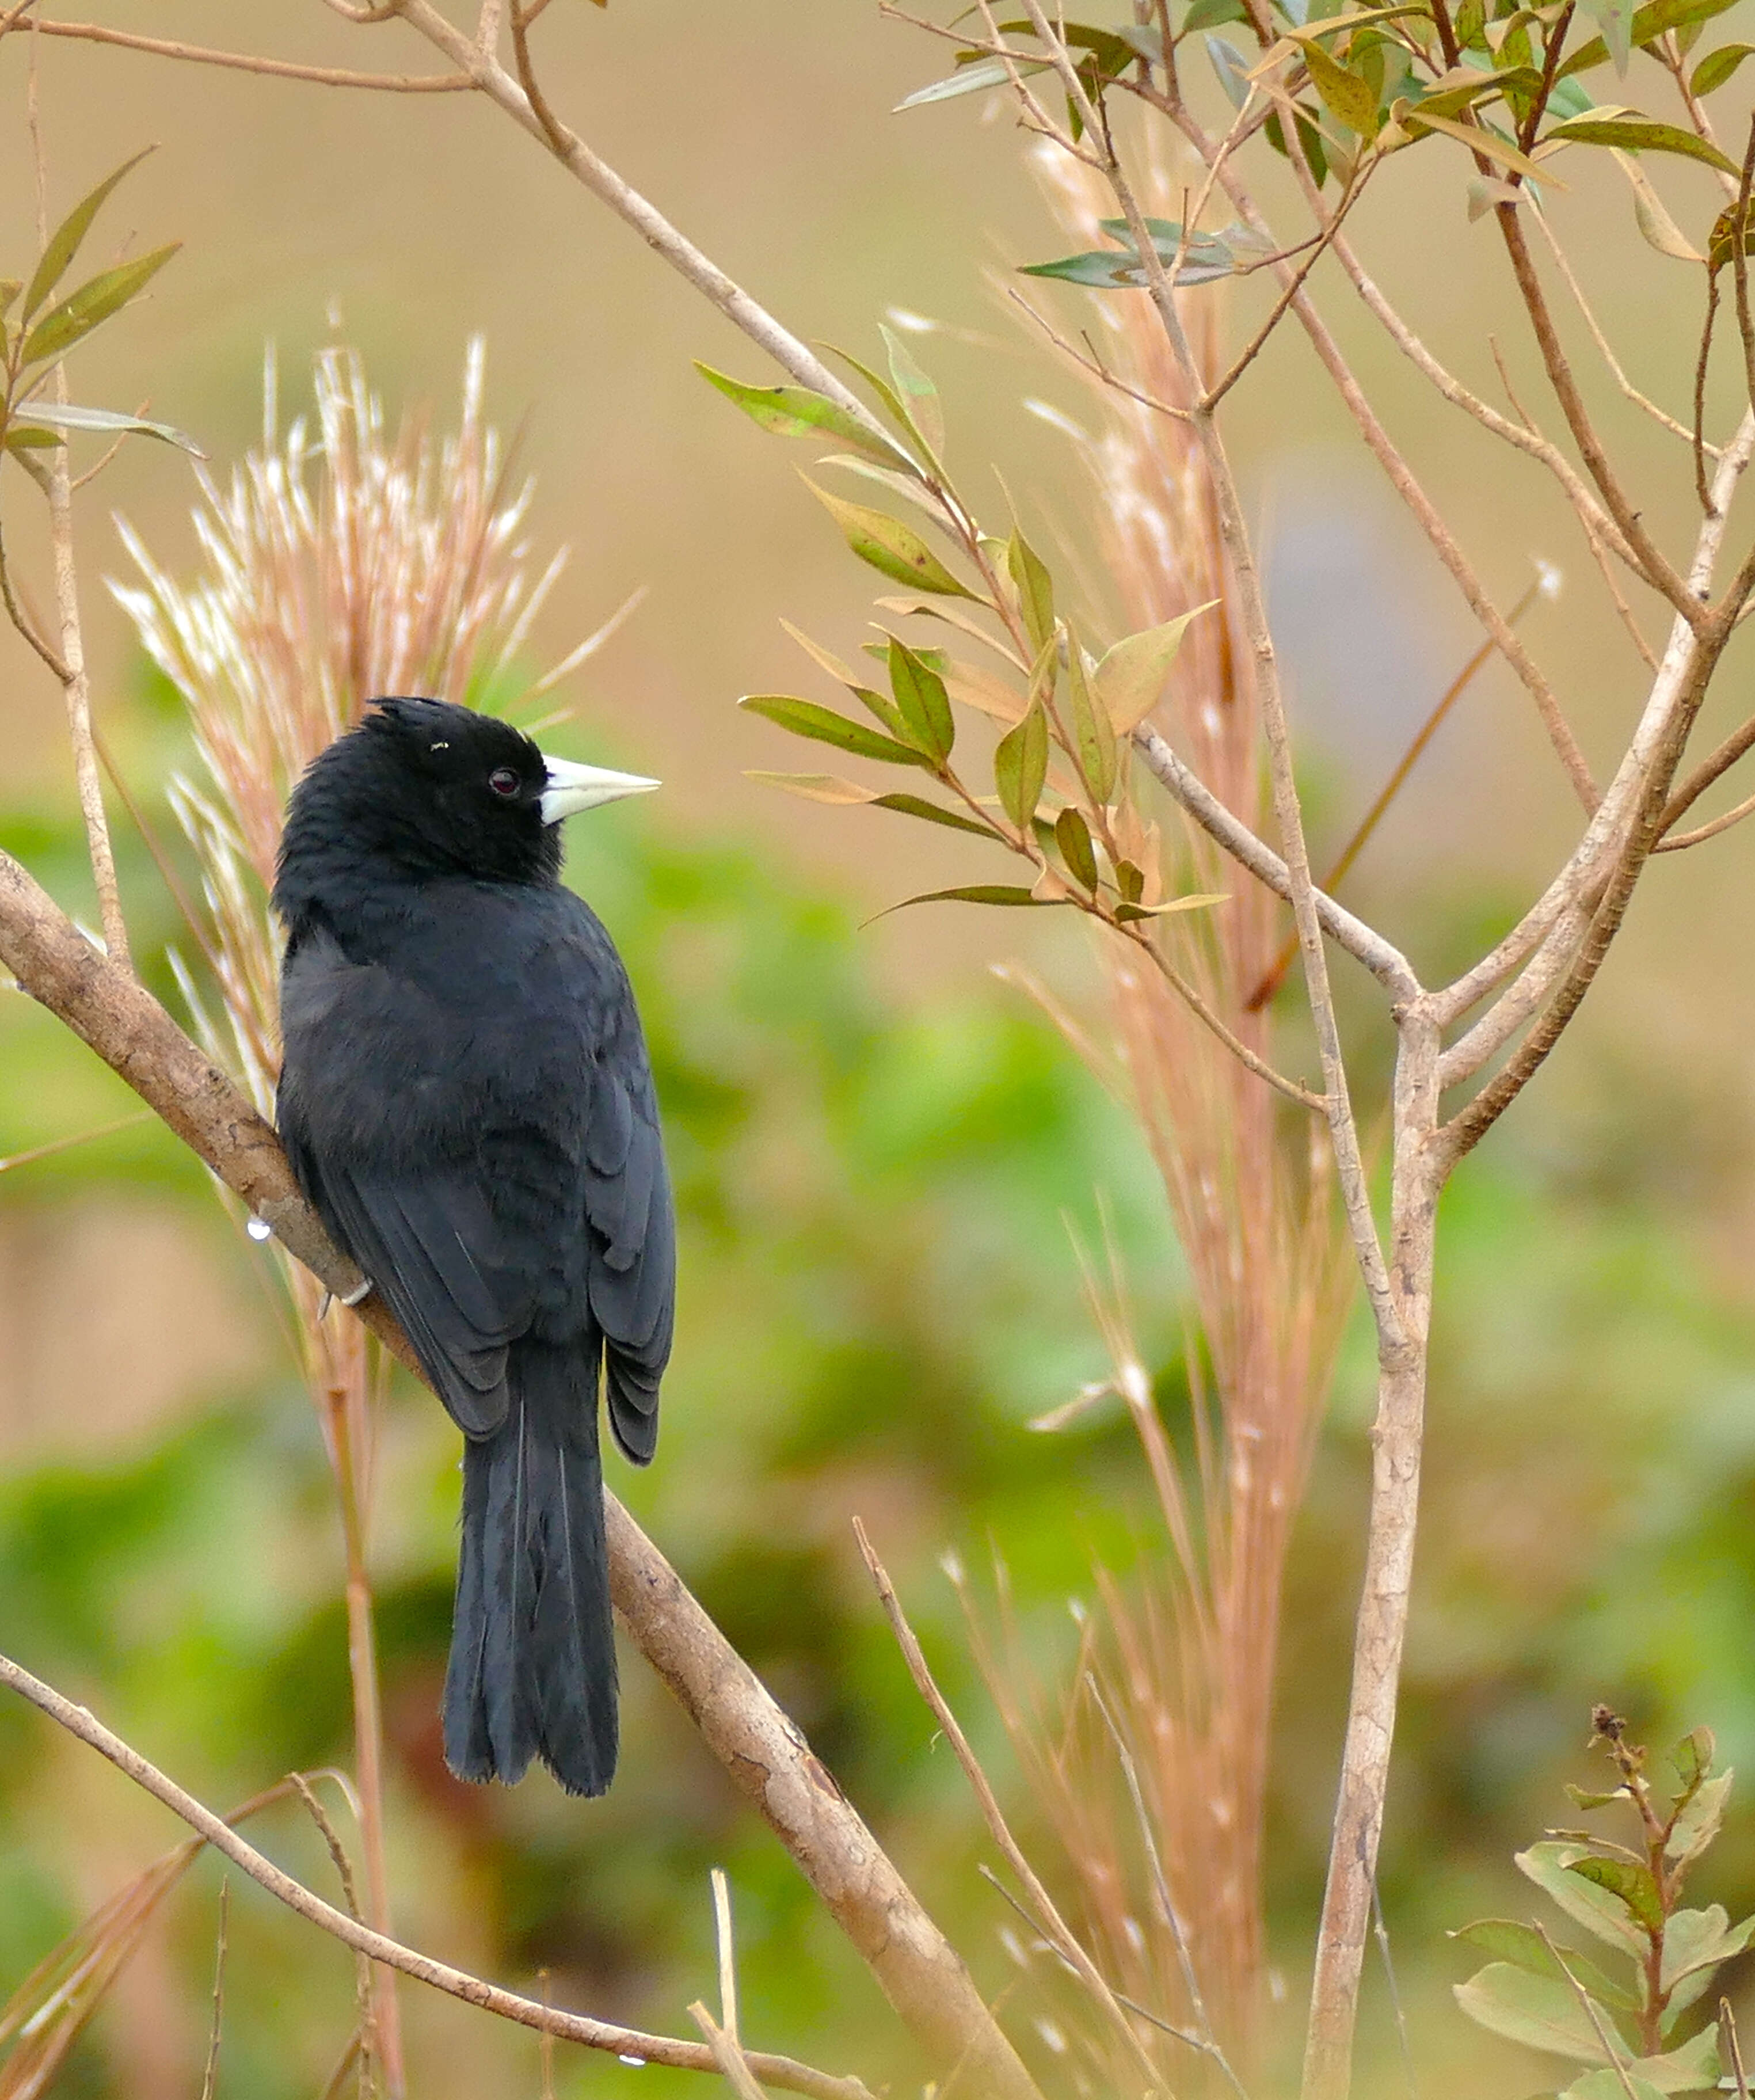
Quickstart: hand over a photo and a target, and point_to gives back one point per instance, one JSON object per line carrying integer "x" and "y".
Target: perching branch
{"x": 781, "y": 2070}
{"x": 765, "y": 1752}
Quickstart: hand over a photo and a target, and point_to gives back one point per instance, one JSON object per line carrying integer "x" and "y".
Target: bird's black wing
{"x": 401, "y": 1192}
{"x": 632, "y": 1277}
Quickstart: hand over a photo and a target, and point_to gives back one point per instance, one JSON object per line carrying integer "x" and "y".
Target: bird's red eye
{"x": 504, "y": 781}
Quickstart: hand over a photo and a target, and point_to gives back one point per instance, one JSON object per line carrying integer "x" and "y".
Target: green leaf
{"x": 1525, "y": 1948}
{"x": 1692, "y": 2068}
{"x": 1651, "y": 215}
{"x": 1692, "y": 1758}
{"x": 62, "y": 244}
{"x": 1021, "y": 765}
{"x": 1721, "y": 245}
{"x": 891, "y": 548}
{"x": 1347, "y": 96}
{"x": 10, "y": 289}
{"x": 1478, "y": 140}
{"x": 95, "y": 301}
{"x": 918, "y": 395}
{"x": 1700, "y": 1939}
{"x": 1610, "y": 2085}
{"x": 1649, "y": 22}
{"x": 25, "y": 437}
{"x": 969, "y": 80}
{"x": 1130, "y": 880}
{"x": 1697, "y": 1825}
{"x": 1540, "y": 2012}
{"x": 1034, "y": 586}
{"x": 1208, "y": 257}
{"x": 1073, "y": 835}
{"x": 1200, "y": 901}
{"x": 1231, "y": 68}
{"x": 1594, "y": 1908}
{"x": 978, "y": 892}
{"x": 1634, "y": 1885}
{"x": 805, "y": 718}
{"x": 921, "y": 700}
{"x": 1581, "y": 1798}
{"x": 797, "y": 412}
{"x": 1717, "y": 67}
{"x": 916, "y": 806}
{"x": 816, "y": 786}
{"x": 1130, "y": 678}
{"x": 1615, "y": 19}
{"x": 1210, "y": 13}
{"x": 1093, "y": 732}
{"x": 65, "y": 417}
{"x": 1634, "y": 134}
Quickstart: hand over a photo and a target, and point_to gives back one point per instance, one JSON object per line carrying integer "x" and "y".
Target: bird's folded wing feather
{"x": 427, "y": 1241}
{"x": 633, "y": 1265}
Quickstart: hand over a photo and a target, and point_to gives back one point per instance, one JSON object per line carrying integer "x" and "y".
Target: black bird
{"x": 467, "y": 1099}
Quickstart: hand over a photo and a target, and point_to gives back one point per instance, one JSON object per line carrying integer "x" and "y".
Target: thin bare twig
{"x": 507, "y": 2005}
{"x": 166, "y": 47}
{"x": 210, "y": 2075}
{"x": 1680, "y": 839}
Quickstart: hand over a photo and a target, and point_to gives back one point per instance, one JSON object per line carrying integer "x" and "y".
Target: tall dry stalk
{"x": 340, "y": 564}
{"x": 1177, "y": 1663}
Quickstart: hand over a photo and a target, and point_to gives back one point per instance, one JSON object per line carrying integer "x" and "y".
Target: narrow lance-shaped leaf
{"x": 65, "y": 416}
{"x": 1635, "y": 134}
{"x": 1093, "y": 730}
{"x": 27, "y": 438}
{"x": 977, "y": 892}
{"x": 799, "y": 412}
{"x": 1615, "y": 19}
{"x": 921, "y": 700}
{"x": 1196, "y": 901}
{"x": 823, "y": 726}
{"x": 891, "y": 548}
{"x": 62, "y": 244}
{"x": 816, "y": 786}
{"x": 969, "y": 80}
{"x": 933, "y": 813}
{"x": 1649, "y": 22}
{"x": 1347, "y": 96}
{"x": 1718, "y": 67}
{"x": 1034, "y": 586}
{"x": 1129, "y": 679}
{"x": 1073, "y": 835}
{"x": 1478, "y": 140}
{"x": 915, "y": 391}
{"x": 94, "y": 303}
{"x": 1653, "y": 217}
{"x": 1021, "y": 766}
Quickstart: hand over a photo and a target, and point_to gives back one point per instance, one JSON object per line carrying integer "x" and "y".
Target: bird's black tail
{"x": 532, "y": 1670}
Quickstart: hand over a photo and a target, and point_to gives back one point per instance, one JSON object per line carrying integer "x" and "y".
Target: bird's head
{"x": 423, "y": 788}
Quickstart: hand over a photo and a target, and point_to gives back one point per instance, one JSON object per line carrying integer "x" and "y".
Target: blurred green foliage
{"x": 879, "y": 1291}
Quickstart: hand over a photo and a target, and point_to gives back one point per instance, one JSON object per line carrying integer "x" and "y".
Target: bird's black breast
{"x": 466, "y": 1096}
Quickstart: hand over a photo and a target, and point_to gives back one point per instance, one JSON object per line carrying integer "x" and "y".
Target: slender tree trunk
{"x": 1420, "y": 1165}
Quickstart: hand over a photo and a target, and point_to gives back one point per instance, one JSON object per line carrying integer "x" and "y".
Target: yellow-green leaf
{"x": 1129, "y": 679}
{"x": 815, "y": 787}
{"x": 921, "y": 700}
{"x": 1634, "y": 134}
{"x": 62, "y": 244}
{"x": 95, "y": 301}
{"x": 1034, "y": 586}
{"x": 933, "y": 813}
{"x": 798, "y": 411}
{"x": 1348, "y": 97}
{"x": 1073, "y": 835}
{"x": 891, "y": 547}
{"x": 1478, "y": 140}
{"x": 1093, "y": 730}
{"x": 823, "y": 726}
{"x": 1201, "y": 901}
{"x": 1021, "y": 766}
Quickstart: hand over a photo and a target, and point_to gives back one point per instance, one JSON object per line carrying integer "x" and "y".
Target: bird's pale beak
{"x": 572, "y": 788}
